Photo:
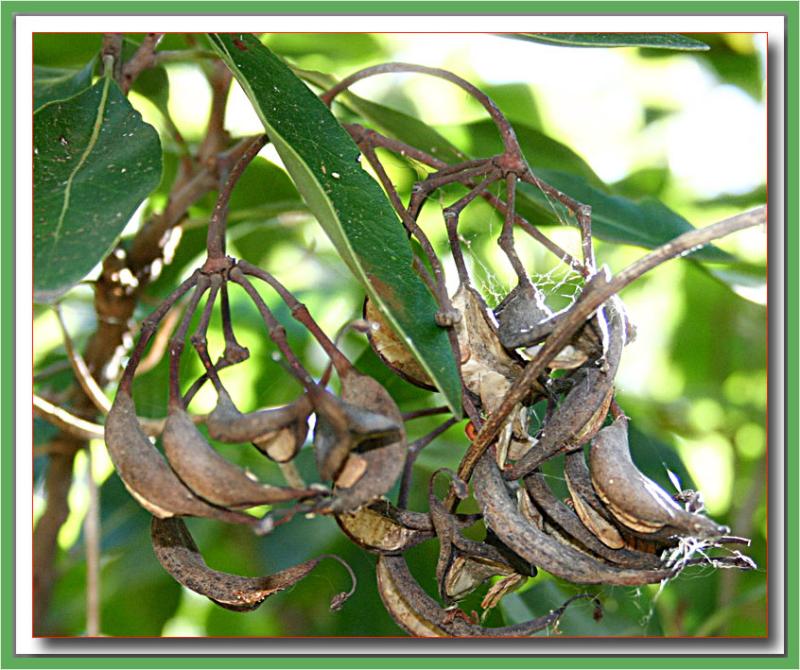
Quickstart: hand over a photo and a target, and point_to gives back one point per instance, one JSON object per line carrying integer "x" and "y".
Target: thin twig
{"x": 66, "y": 421}
{"x": 91, "y": 531}
{"x": 90, "y": 387}
{"x": 411, "y": 456}
{"x": 143, "y": 58}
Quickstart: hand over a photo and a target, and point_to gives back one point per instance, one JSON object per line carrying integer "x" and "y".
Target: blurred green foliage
{"x": 694, "y": 384}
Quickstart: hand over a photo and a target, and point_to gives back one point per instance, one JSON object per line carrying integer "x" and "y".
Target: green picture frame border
{"x": 789, "y": 9}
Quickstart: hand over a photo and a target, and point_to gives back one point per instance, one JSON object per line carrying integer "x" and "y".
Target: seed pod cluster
{"x": 618, "y": 527}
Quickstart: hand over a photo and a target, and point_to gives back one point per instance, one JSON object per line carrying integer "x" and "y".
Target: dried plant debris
{"x": 177, "y": 552}
{"x": 421, "y": 616}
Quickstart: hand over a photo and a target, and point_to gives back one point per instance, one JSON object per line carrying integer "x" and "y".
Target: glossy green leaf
{"x": 648, "y": 40}
{"x": 57, "y": 83}
{"x": 94, "y": 162}
{"x": 355, "y": 213}
{"x": 646, "y": 223}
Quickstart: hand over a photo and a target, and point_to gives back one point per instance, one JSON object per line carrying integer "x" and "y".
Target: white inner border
{"x": 26, "y": 25}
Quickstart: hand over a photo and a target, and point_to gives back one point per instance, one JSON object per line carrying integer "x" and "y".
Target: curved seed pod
{"x": 535, "y": 546}
{"x": 178, "y": 554}
{"x": 486, "y": 367}
{"x": 211, "y": 476}
{"x": 421, "y": 616}
{"x": 595, "y": 522}
{"x": 579, "y": 482}
{"x": 384, "y": 462}
{"x": 582, "y": 412}
{"x": 392, "y": 351}
{"x": 343, "y": 426}
{"x": 277, "y": 432}
{"x": 146, "y": 474}
{"x": 570, "y": 524}
{"x": 463, "y": 564}
{"x": 635, "y": 500}
{"x": 584, "y": 409}
{"x": 371, "y": 529}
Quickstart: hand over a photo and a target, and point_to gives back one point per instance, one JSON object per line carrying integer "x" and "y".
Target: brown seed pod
{"x": 634, "y": 499}
{"x": 213, "y": 477}
{"x": 385, "y": 458}
{"x": 278, "y": 432}
{"x": 536, "y": 546}
{"x": 178, "y": 554}
{"x": 584, "y": 409}
{"x": 373, "y": 529}
{"x": 393, "y": 351}
{"x": 146, "y": 474}
{"x": 343, "y": 426}
{"x": 570, "y": 523}
{"x": 421, "y": 616}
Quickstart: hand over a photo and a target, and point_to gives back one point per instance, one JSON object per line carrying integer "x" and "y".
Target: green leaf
{"x": 58, "y": 83}
{"x": 322, "y": 160}
{"x": 94, "y": 162}
{"x": 648, "y": 40}
{"x": 541, "y": 152}
{"x": 646, "y": 223}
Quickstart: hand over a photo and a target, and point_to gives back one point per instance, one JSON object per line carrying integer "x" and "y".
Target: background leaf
{"x": 94, "y": 162}
{"x": 649, "y": 40}
{"x": 350, "y": 206}
{"x": 56, "y": 83}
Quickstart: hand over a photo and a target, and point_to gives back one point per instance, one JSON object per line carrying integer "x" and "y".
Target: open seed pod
{"x": 213, "y": 477}
{"x": 278, "y": 432}
{"x": 146, "y": 474}
{"x": 635, "y": 500}
{"x": 383, "y": 459}
{"x": 178, "y": 554}
{"x": 421, "y": 616}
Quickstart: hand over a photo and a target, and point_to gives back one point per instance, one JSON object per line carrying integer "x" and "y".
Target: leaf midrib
{"x": 98, "y": 122}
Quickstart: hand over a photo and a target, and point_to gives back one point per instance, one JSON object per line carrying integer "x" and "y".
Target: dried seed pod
{"x": 343, "y": 426}
{"x": 523, "y": 316}
{"x": 580, "y": 414}
{"x": 421, "y": 616}
{"x": 486, "y": 367}
{"x": 634, "y": 499}
{"x": 213, "y": 477}
{"x": 178, "y": 554}
{"x": 146, "y": 474}
{"x": 537, "y": 547}
{"x": 584, "y": 409}
{"x": 373, "y": 529}
{"x": 393, "y": 351}
{"x": 463, "y": 564}
{"x": 571, "y": 525}
{"x": 385, "y": 457}
{"x": 278, "y": 432}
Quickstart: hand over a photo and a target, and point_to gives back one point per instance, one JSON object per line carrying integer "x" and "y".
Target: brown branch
{"x": 144, "y": 58}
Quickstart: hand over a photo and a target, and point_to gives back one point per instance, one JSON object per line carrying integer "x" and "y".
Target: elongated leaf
{"x": 645, "y": 223}
{"x": 323, "y": 162}
{"x": 648, "y": 40}
{"x": 94, "y": 162}
{"x": 56, "y": 83}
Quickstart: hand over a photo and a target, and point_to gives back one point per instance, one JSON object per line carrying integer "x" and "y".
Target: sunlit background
{"x": 688, "y": 129}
